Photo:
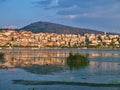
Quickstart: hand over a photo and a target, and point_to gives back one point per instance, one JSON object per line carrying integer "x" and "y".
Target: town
{"x": 23, "y": 38}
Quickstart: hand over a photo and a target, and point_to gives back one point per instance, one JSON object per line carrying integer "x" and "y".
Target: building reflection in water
{"x": 22, "y": 59}
{"x": 35, "y": 62}
{"x": 41, "y": 62}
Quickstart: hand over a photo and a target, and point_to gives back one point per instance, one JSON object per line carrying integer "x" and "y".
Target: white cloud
{"x": 67, "y": 16}
{"x": 88, "y": 15}
{"x": 71, "y": 16}
{"x": 53, "y": 3}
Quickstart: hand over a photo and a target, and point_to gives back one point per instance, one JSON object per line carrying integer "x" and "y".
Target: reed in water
{"x": 77, "y": 61}
{"x": 1, "y": 55}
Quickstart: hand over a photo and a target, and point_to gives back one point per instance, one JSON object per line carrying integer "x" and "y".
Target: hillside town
{"x": 23, "y": 38}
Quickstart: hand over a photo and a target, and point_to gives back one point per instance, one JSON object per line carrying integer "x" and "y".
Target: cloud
{"x": 47, "y": 4}
{"x": 11, "y": 27}
{"x": 108, "y": 10}
{"x": 82, "y": 8}
{"x": 71, "y": 16}
{"x": 42, "y": 3}
{"x": 55, "y": 3}
{"x": 67, "y": 4}
{"x": 67, "y": 16}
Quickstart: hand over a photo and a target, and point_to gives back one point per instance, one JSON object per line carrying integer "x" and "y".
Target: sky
{"x": 102, "y": 15}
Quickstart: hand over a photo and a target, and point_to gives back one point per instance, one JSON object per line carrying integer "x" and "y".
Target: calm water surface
{"x": 46, "y": 69}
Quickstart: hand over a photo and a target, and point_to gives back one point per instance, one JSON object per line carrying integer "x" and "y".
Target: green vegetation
{"x": 77, "y": 61}
{"x": 1, "y": 55}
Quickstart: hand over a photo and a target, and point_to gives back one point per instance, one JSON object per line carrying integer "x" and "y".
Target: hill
{"x": 57, "y": 28}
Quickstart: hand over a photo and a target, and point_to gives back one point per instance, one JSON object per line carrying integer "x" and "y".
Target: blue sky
{"x": 103, "y": 15}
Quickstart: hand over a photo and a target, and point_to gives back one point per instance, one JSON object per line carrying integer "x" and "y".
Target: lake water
{"x": 46, "y": 69}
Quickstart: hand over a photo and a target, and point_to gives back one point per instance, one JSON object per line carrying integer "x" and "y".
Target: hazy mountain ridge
{"x": 57, "y": 28}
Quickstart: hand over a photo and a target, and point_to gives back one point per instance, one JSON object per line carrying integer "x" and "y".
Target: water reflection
{"x": 35, "y": 68}
{"x": 46, "y": 62}
{"x": 24, "y": 59}
{"x": 43, "y": 62}
{"x": 77, "y": 61}
{"x": 35, "y": 62}
{"x": 44, "y": 69}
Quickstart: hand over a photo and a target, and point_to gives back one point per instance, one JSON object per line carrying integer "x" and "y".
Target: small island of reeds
{"x": 77, "y": 61}
{"x": 1, "y": 55}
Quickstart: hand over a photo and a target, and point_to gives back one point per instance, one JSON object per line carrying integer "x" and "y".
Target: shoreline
{"x": 56, "y": 48}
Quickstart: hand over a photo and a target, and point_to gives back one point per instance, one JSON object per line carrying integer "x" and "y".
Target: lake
{"x": 46, "y": 69}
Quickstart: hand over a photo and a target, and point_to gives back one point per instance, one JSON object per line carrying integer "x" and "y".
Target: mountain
{"x": 57, "y": 28}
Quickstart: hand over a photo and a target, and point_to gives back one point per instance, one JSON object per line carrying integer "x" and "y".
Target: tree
{"x": 87, "y": 41}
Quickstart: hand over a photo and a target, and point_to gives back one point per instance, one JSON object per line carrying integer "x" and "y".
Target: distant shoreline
{"x": 33, "y": 48}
